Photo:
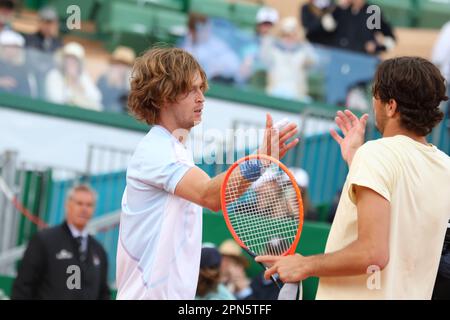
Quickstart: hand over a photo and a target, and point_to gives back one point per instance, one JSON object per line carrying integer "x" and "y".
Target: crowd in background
{"x": 274, "y": 58}
{"x": 40, "y": 65}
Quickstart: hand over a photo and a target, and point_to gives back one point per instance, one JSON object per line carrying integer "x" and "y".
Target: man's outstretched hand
{"x": 276, "y": 139}
{"x": 353, "y": 130}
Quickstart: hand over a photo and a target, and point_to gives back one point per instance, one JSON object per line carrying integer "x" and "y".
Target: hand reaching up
{"x": 353, "y": 130}
{"x": 275, "y": 139}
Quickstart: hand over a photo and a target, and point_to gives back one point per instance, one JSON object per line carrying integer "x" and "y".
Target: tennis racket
{"x": 262, "y": 206}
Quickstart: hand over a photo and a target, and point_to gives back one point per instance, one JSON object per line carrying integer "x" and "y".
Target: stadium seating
{"x": 399, "y": 13}
{"x": 433, "y": 13}
{"x": 169, "y": 25}
{"x": 415, "y": 13}
{"x": 177, "y": 5}
{"x": 86, "y": 7}
{"x": 139, "y": 25}
{"x": 244, "y": 14}
{"x": 121, "y": 16}
{"x": 34, "y": 4}
{"x": 212, "y": 8}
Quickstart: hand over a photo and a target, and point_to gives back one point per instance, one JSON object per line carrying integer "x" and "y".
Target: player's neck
{"x": 179, "y": 133}
{"x": 395, "y": 130}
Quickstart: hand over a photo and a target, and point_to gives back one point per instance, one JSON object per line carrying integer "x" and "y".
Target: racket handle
{"x": 275, "y": 282}
{"x": 271, "y": 277}
{"x": 264, "y": 267}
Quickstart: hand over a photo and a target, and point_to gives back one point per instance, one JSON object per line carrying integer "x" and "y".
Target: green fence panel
{"x": 6, "y": 283}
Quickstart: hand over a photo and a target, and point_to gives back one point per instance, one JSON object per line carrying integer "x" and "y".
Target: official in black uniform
{"x": 64, "y": 262}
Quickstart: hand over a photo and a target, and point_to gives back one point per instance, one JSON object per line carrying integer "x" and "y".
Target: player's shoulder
{"x": 156, "y": 143}
{"x": 51, "y": 233}
{"x": 444, "y": 158}
{"x": 376, "y": 147}
{"x": 400, "y": 147}
{"x": 383, "y": 150}
{"x": 158, "y": 136}
{"x": 389, "y": 144}
{"x": 158, "y": 148}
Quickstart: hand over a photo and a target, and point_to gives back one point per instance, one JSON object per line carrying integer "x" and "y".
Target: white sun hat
{"x": 267, "y": 14}
{"x": 11, "y": 38}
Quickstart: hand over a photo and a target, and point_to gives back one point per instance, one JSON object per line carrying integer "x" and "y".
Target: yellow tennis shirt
{"x": 415, "y": 179}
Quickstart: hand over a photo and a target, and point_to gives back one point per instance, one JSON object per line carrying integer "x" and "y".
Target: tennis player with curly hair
{"x": 158, "y": 255}
{"x": 388, "y": 232}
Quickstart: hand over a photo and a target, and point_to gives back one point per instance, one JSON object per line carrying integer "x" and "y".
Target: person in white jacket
{"x": 288, "y": 62}
{"x": 70, "y": 84}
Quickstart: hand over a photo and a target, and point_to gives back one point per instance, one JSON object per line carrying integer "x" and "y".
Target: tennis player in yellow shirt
{"x": 389, "y": 228}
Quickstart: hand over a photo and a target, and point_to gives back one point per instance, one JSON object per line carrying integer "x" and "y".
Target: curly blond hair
{"x": 160, "y": 76}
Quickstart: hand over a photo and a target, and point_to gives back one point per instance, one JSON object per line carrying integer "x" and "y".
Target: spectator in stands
{"x": 65, "y": 262}
{"x": 302, "y": 179}
{"x": 15, "y": 77}
{"x": 233, "y": 270}
{"x": 209, "y": 286}
{"x": 266, "y": 19}
{"x": 115, "y": 83}
{"x": 319, "y": 23}
{"x": 47, "y": 37}
{"x": 253, "y": 68}
{"x": 288, "y": 62}
{"x": 6, "y": 14}
{"x": 42, "y": 45}
{"x": 70, "y": 84}
{"x": 352, "y": 32}
{"x": 220, "y": 62}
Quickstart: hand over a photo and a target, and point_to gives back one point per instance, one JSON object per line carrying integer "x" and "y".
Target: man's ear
{"x": 391, "y": 108}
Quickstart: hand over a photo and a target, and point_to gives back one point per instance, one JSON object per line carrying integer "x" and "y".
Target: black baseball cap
{"x": 210, "y": 258}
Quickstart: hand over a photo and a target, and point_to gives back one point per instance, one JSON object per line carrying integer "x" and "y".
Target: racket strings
{"x": 266, "y": 216}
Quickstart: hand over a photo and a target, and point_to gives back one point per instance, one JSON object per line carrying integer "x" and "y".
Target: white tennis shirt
{"x": 158, "y": 253}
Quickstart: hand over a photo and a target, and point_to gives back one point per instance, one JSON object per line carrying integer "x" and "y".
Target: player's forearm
{"x": 355, "y": 259}
{"x": 212, "y": 192}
